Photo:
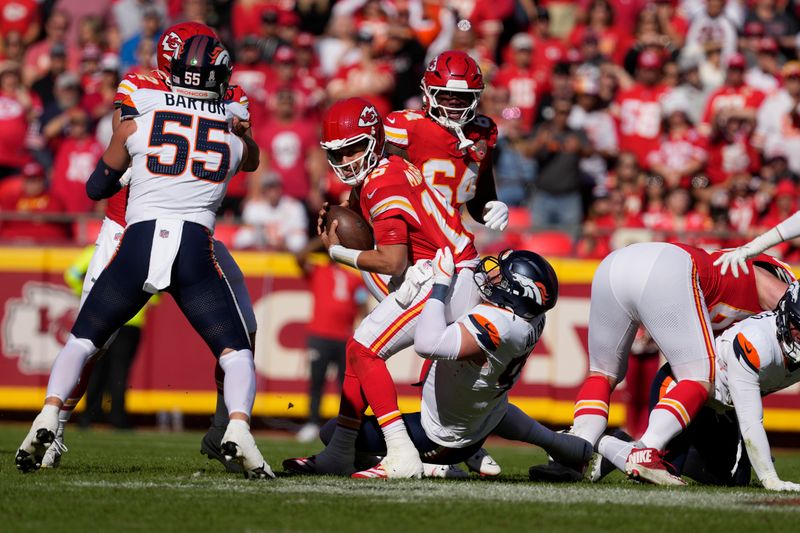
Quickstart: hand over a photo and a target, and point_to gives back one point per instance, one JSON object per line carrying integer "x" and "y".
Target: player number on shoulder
{"x": 185, "y": 149}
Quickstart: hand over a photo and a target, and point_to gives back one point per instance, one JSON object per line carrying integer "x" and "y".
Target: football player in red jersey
{"x": 450, "y": 142}
{"x": 678, "y": 295}
{"x": 410, "y": 222}
{"x": 114, "y": 225}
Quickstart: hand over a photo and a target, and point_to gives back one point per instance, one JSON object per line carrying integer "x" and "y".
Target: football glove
{"x": 443, "y": 267}
{"x": 773, "y": 483}
{"x": 416, "y": 276}
{"x": 495, "y": 215}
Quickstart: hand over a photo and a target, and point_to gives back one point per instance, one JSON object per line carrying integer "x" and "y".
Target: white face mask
{"x": 354, "y": 172}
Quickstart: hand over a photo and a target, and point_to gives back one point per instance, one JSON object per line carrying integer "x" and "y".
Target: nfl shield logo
{"x": 163, "y": 233}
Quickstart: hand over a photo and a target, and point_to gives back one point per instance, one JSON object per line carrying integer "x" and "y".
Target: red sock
{"x": 591, "y": 409}
{"x": 375, "y": 380}
{"x": 593, "y": 397}
{"x": 684, "y": 401}
{"x": 673, "y": 413}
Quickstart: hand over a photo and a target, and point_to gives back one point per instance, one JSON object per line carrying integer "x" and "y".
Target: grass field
{"x": 160, "y": 482}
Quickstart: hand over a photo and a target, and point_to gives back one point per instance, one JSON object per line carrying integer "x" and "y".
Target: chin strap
{"x": 463, "y": 142}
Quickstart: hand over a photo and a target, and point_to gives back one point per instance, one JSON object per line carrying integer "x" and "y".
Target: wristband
{"x": 346, "y": 256}
{"x": 439, "y": 292}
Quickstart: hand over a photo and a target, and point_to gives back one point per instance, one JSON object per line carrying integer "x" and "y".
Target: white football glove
{"x": 773, "y": 483}
{"x": 495, "y": 215}
{"x": 735, "y": 259}
{"x": 443, "y": 267}
{"x": 416, "y": 276}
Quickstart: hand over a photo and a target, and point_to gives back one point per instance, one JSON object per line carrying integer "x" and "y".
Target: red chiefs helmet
{"x": 351, "y": 127}
{"x": 452, "y": 85}
{"x": 174, "y": 36}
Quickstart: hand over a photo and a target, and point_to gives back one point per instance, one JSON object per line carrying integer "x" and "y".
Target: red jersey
{"x": 638, "y": 112}
{"x": 397, "y": 190}
{"x": 155, "y": 80}
{"x": 730, "y": 299}
{"x": 676, "y": 151}
{"x": 524, "y": 86}
{"x": 338, "y": 292}
{"x": 18, "y": 16}
{"x": 13, "y": 131}
{"x": 727, "y": 97}
{"x": 74, "y": 163}
{"x": 433, "y": 149}
{"x": 287, "y": 147}
{"x": 728, "y": 158}
{"x": 32, "y": 230}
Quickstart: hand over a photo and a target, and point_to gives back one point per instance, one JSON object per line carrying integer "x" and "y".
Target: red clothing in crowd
{"x": 727, "y": 97}
{"x": 18, "y": 15}
{"x": 611, "y": 42}
{"x": 525, "y": 88}
{"x": 357, "y": 76}
{"x": 337, "y": 295}
{"x": 678, "y": 150}
{"x": 13, "y": 130}
{"x": 253, "y": 80}
{"x": 74, "y": 163}
{"x": 638, "y": 112}
{"x": 728, "y": 158}
{"x": 34, "y": 230}
{"x": 287, "y": 147}
{"x": 246, "y": 16}
{"x": 674, "y": 226}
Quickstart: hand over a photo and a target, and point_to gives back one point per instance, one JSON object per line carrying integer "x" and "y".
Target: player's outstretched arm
{"x": 104, "y": 181}
{"x": 735, "y": 259}
{"x": 433, "y": 338}
{"x": 746, "y": 395}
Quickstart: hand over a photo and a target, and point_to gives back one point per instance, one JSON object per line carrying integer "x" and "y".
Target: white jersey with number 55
{"x": 182, "y": 157}
{"x": 462, "y": 400}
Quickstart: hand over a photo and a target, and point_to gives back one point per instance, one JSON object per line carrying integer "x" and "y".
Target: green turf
{"x": 159, "y": 482}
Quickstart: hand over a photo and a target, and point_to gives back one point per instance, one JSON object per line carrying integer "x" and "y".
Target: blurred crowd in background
{"x": 619, "y": 120}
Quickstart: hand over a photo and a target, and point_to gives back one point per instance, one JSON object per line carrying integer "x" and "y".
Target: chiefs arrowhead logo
{"x": 369, "y": 117}
{"x": 37, "y": 325}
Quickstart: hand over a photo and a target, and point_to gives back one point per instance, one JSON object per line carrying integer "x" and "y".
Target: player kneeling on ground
{"x": 476, "y": 361}
{"x": 182, "y": 155}
{"x": 758, "y": 356}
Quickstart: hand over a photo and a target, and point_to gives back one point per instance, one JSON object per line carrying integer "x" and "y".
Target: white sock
{"x": 240, "y": 381}
{"x": 68, "y": 366}
{"x": 589, "y": 427}
{"x": 396, "y": 437}
{"x": 662, "y": 427}
{"x": 615, "y": 450}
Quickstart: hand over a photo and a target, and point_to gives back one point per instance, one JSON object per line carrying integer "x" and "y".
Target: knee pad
{"x": 235, "y": 358}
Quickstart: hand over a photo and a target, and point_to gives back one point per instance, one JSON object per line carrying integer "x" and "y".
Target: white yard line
{"x": 411, "y": 492}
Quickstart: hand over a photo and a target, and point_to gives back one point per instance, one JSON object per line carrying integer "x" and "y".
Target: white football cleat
{"x": 443, "y": 471}
{"x": 395, "y": 466}
{"x": 239, "y": 445}
{"x": 39, "y": 438}
{"x": 483, "y": 463}
{"x": 308, "y": 433}
{"x": 647, "y": 464}
{"x": 52, "y": 457}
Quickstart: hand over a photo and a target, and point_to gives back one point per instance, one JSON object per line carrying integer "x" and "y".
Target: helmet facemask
{"x": 353, "y": 172}
{"x": 451, "y": 116}
{"x": 788, "y": 317}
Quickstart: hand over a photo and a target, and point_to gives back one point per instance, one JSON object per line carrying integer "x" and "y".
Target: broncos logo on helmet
{"x": 520, "y": 281}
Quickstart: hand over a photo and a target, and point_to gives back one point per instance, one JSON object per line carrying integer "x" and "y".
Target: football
{"x": 353, "y": 231}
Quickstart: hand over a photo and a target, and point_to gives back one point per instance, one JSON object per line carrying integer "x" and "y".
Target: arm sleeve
{"x": 790, "y": 228}
{"x": 746, "y": 396}
{"x": 433, "y": 338}
{"x": 104, "y": 181}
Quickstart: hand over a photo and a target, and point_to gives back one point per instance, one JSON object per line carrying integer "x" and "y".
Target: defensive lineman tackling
{"x": 182, "y": 155}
